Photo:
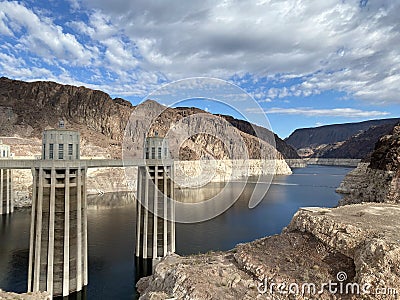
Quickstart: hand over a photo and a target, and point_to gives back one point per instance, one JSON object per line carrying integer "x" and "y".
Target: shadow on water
{"x": 143, "y": 267}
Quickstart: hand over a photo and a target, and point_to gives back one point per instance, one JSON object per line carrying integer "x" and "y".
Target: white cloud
{"x": 266, "y": 100}
{"x": 75, "y": 5}
{"x": 131, "y": 46}
{"x": 16, "y": 67}
{"x": 118, "y": 55}
{"x": 291, "y": 39}
{"x": 334, "y": 112}
{"x": 41, "y": 36}
{"x": 3, "y": 27}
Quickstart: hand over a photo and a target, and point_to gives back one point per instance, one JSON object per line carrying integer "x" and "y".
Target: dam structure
{"x": 58, "y": 247}
{"x": 155, "y": 227}
{"x": 6, "y": 183}
{"x": 58, "y": 239}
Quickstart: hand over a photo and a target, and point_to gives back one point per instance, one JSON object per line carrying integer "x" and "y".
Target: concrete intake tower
{"x": 6, "y": 183}
{"x": 155, "y": 227}
{"x": 58, "y": 238}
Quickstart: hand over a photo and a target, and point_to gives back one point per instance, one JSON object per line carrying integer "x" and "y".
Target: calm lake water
{"x": 111, "y": 232}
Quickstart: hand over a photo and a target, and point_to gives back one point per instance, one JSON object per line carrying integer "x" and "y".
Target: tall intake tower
{"x": 6, "y": 183}
{"x": 155, "y": 227}
{"x": 58, "y": 238}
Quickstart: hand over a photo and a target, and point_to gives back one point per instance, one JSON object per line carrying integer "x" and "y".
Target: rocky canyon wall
{"x": 378, "y": 180}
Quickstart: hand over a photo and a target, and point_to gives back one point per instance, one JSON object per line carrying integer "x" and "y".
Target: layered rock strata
{"x": 378, "y": 180}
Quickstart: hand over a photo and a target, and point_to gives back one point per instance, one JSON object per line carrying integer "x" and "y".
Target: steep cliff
{"x": 213, "y": 136}
{"x": 287, "y": 151}
{"x": 378, "y": 180}
{"x": 351, "y": 140}
{"x": 359, "y": 146}
{"x": 28, "y": 108}
{"x": 329, "y": 134}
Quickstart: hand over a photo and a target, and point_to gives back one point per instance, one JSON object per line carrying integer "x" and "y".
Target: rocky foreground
{"x": 27, "y": 296}
{"x": 356, "y": 246}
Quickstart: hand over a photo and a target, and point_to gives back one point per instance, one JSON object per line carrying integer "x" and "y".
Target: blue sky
{"x": 306, "y": 63}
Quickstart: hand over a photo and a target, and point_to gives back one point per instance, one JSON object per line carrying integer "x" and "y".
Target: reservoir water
{"x": 111, "y": 231}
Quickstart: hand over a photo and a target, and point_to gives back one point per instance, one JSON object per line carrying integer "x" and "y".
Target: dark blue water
{"x": 111, "y": 232}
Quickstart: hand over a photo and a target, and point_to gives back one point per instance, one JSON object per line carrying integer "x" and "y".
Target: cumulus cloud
{"x": 132, "y": 46}
{"x": 41, "y": 36}
{"x": 347, "y": 46}
{"x": 74, "y": 4}
{"x": 16, "y": 67}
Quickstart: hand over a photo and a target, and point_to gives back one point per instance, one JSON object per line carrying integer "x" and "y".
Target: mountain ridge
{"x": 348, "y": 140}
{"x": 28, "y": 108}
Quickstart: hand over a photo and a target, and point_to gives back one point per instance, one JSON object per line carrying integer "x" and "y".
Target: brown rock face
{"x": 26, "y": 109}
{"x": 264, "y": 134}
{"x": 331, "y": 134}
{"x": 387, "y": 152}
{"x": 378, "y": 181}
{"x": 359, "y": 146}
{"x": 213, "y": 136}
{"x": 32, "y": 107}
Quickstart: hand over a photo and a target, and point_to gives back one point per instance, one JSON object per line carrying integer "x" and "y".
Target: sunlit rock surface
{"x": 356, "y": 245}
{"x": 27, "y": 296}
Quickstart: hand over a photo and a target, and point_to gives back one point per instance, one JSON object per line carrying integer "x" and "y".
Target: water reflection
{"x": 110, "y": 200}
{"x": 189, "y": 195}
{"x": 143, "y": 267}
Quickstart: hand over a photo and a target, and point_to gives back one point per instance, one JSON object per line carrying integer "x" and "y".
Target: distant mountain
{"x": 350, "y": 140}
{"x": 27, "y": 108}
{"x": 360, "y": 145}
{"x": 330, "y": 134}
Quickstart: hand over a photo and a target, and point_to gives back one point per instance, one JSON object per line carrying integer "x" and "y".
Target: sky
{"x": 305, "y": 63}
